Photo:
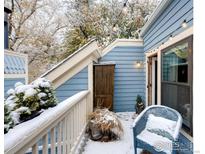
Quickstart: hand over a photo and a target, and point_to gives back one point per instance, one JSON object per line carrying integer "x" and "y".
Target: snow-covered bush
{"x": 46, "y": 93}
{"x": 104, "y": 126}
{"x": 24, "y": 102}
{"x": 8, "y": 122}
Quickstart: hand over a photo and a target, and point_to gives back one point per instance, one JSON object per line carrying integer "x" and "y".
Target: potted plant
{"x": 139, "y": 104}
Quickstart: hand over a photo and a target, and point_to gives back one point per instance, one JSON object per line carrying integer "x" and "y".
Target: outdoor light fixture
{"x": 171, "y": 37}
{"x": 184, "y": 24}
{"x": 114, "y": 28}
{"x": 124, "y": 10}
{"x": 139, "y": 64}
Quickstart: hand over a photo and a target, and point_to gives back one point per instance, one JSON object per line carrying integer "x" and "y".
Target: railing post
{"x": 35, "y": 149}
{"x": 59, "y": 137}
{"x": 64, "y": 134}
{"x": 45, "y": 144}
{"x": 90, "y": 86}
{"x": 53, "y": 141}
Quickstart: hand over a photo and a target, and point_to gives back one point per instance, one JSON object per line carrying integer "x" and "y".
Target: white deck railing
{"x": 57, "y": 129}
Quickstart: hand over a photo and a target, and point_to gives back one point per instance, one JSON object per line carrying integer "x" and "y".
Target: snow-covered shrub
{"x": 46, "y": 93}
{"x": 104, "y": 126}
{"x": 27, "y": 101}
{"x": 8, "y": 122}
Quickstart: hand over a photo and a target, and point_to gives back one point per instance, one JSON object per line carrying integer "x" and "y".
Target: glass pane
{"x": 175, "y": 64}
{"x": 178, "y": 97}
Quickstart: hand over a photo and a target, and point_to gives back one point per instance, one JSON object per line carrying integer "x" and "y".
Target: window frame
{"x": 188, "y": 40}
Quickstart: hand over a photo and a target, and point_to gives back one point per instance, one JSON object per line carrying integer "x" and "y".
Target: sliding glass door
{"x": 177, "y": 79}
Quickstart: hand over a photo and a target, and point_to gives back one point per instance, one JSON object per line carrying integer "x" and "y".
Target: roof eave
{"x": 69, "y": 57}
{"x": 153, "y": 17}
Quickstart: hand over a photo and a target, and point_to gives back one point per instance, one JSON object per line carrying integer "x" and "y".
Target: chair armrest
{"x": 178, "y": 127}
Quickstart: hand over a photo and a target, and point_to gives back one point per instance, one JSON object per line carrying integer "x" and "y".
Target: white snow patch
{"x": 22, "y": 88}
{"x": 18, "y": 84}
{"x": 42, "y": 82}
{"x": 15, "y": 116}
{"x": 22, "y": 109}
{"x": 154, "y": 122}
{"x": 122, "y": 146}
{"x": 11, "y": 92}
{"x": 29, "y": 92}
{"x": 40, "y": 95}
{"x": 10, "y": 102}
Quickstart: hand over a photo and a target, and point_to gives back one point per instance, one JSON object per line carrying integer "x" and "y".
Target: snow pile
{"x": 104, "y": 125}
{"x": 27, "y": 101}
{"x": 122, "y": 146}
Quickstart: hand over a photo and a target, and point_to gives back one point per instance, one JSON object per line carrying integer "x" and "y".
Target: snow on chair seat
{"x": 156, "y": 129}
{"x": 160, "y": 143}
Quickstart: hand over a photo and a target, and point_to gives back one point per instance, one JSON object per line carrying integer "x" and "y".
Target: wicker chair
{"x": 140, "y": 124}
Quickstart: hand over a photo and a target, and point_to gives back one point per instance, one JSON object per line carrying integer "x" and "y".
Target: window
{"x": 177, "y": 75}
{"x": 175, "y": 64}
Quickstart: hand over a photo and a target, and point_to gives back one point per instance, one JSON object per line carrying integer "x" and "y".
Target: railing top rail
{"x": 24, "y": 133}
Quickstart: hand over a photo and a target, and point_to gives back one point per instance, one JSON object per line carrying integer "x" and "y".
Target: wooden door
{"x": 103, "y": 86}
{"x": 149, "y": 84}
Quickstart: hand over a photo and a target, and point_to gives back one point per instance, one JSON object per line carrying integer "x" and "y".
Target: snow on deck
{"x": 122, "y": 146}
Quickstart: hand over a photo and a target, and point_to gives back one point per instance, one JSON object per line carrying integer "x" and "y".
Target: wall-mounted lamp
{"x": 184, "y": 24}
{"x": 114, "y": 28}
{"x": 124, "y": 10}
{"x": 171, "y": 37}
{"x": 139, "y": 64}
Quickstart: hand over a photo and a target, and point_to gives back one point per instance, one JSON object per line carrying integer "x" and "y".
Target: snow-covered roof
{"x": 153, "y": 17}
{"x": 14, "y": 63}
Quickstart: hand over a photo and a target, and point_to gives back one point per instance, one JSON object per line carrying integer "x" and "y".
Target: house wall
{"x": 10, "y": 82}
{"x": 6, "y": 44}
{"x": 15, "y": 69}
{"x": 129, "y": 81}
{"x": 72, "y": 86}
{"x": 169, "y": 23}
{"x": 6, "y": 41}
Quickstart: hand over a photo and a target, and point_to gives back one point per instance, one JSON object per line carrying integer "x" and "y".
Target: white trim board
{"x": 153, "y": 17}
{"x": 12, "y": 53}
{"x": 186, "y": 33}
{"x": 13, "y": 76}
{"x": 76, "y": 56}
{"x": 121, "y": 42}
{"x": 62, "y": 71}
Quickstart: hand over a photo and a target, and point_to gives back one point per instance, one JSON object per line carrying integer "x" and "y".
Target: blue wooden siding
{"x": 169, "y": 23}
{"x": 74, "y": 85}
{"x": 10, "y": 82}
{"x": 14, "y": 64}
{"x": 6, "y": 41}
{"x": 129, "y": 81}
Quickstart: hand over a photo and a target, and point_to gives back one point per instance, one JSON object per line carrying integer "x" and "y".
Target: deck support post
{"x": 90, "y": 86}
